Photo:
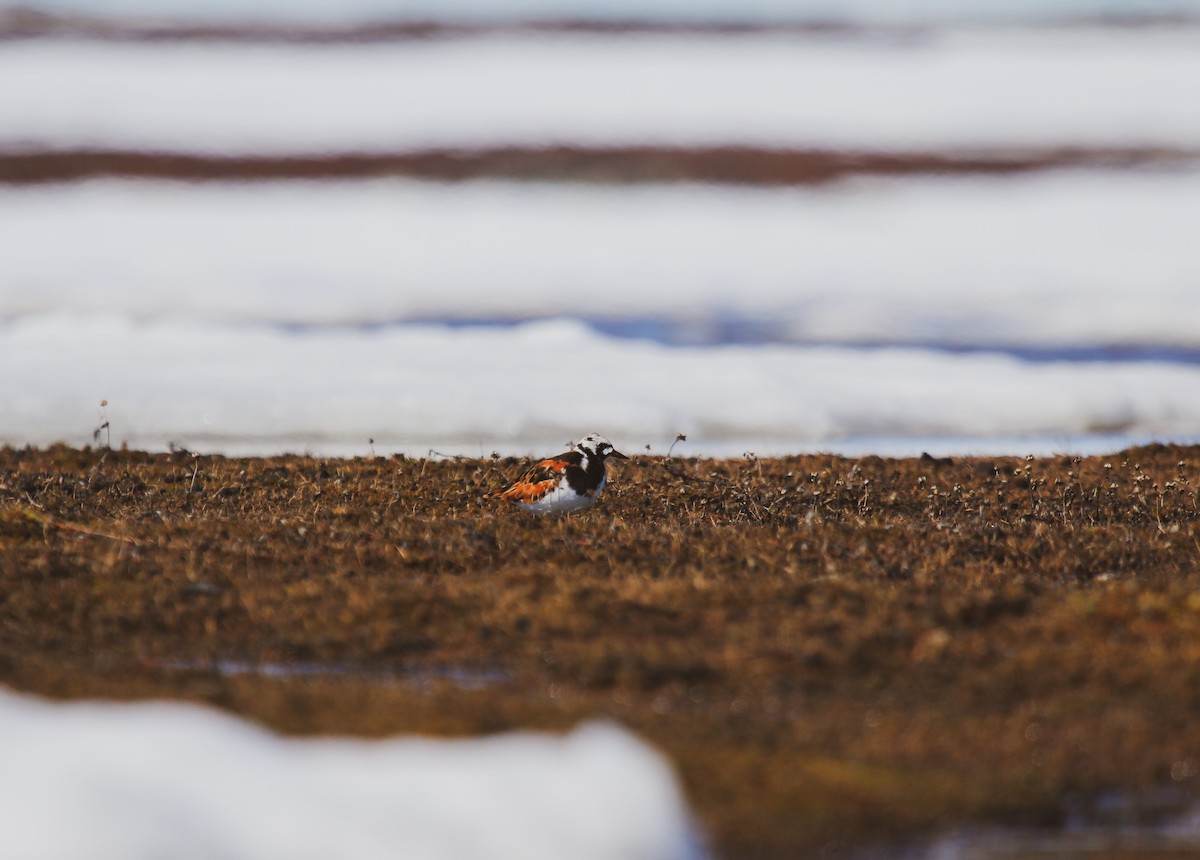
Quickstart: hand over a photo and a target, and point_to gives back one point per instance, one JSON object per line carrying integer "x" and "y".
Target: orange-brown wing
{"x": 536, "y": 482}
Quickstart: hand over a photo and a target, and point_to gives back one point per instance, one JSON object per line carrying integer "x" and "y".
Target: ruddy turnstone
{"x": 569, "y": 482}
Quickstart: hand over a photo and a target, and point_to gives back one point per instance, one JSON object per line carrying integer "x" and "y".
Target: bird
{"x": 572, "y": 481}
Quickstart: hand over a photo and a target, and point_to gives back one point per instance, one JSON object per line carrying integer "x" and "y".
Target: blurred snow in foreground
{"x": 91, "y": 781}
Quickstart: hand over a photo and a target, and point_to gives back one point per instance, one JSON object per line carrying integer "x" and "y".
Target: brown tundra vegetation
{"x": 833, "y": 652}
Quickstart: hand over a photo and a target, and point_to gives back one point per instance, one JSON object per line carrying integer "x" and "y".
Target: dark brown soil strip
{"x": 728, "y": 164}
{"x": 31, "y": 24}
{"x": 832, "y": 651}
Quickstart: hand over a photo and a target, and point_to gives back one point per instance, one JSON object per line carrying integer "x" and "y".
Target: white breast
{"x": 563, "y": 500}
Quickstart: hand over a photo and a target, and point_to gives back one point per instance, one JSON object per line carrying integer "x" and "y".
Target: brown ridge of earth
{"x": 21, "y": 23}
{"x": 833, "y": 652}
{"x": 30, "y": 24}
{"x": 743, "y": 165}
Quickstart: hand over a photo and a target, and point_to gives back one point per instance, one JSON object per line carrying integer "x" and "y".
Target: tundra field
{"x": 834, "y": 653}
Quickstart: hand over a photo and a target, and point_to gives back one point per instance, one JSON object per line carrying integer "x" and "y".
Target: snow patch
{"x": 135, "y": 782}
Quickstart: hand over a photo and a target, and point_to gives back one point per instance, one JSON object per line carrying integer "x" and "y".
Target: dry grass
{"x": 832, "y": 651}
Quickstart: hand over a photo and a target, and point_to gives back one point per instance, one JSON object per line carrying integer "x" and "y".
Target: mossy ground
{"x": 833, "y": 652}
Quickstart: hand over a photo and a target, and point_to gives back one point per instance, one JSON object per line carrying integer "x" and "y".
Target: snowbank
{"x": 865, "y": 12}
{"x": 960, "y": 89}
{"x": 280, "y": 317}
{"x": 1073, "y": 259}
{"x": 412, "y": 388}
{"x": 168, "y": 781}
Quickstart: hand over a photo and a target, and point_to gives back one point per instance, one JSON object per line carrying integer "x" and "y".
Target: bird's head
{"x": 595, "y": 445}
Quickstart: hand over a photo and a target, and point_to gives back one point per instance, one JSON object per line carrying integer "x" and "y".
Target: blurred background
{"x": 383, "y": 226}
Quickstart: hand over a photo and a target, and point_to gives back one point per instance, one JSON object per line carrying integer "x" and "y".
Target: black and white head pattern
{"x": 595, "y": 447}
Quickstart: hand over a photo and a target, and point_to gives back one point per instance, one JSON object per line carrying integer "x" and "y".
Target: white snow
{"x": 93, "y": 781}
{"x": 412, "y": 388}
{"x": 947, "y": 90}
{"x": 282, "y": 316}
{"x": 853, "y": 11}
{"x": 176, "y": 303}
{"x": 1052, "y": 260}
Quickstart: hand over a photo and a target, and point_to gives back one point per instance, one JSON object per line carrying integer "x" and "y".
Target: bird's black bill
{"x": 618, "y": 455}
